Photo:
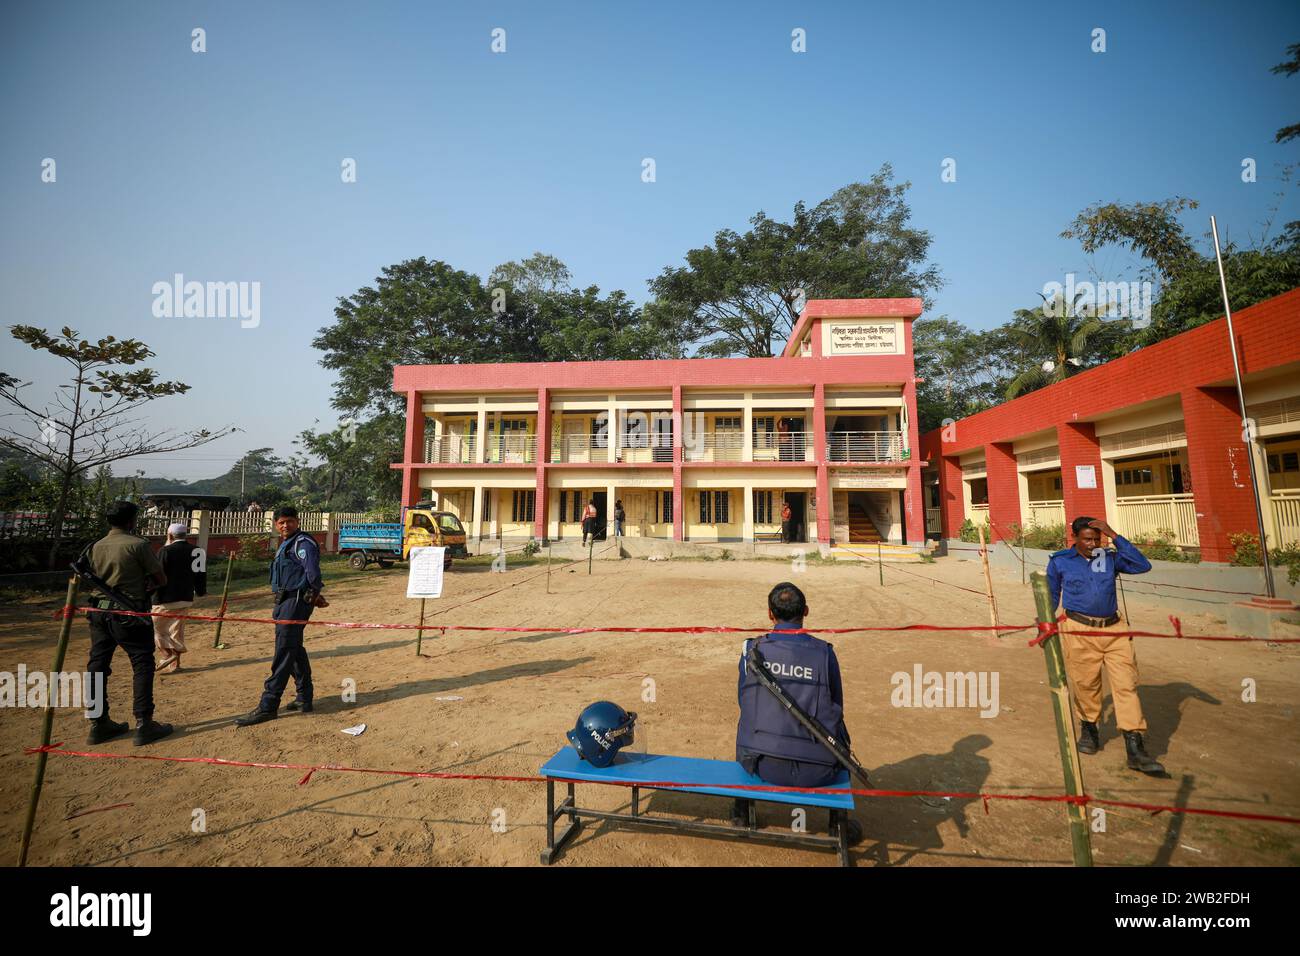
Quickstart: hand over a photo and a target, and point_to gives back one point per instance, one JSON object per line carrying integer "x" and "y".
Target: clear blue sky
{"x": 225, "y": 165}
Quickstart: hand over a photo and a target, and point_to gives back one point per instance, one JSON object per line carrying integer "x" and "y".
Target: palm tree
{"x": 1063, "y": 332}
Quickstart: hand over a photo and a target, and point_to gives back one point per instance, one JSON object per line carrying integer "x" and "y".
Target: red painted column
{"x": 1220, "y": 469}
{"x": 951, "y": 507}
{"x": 1004, "y": 489}
{"x": 819, "y": 456}
{"x": 412, "y": 448}
{"x": 679, "y": 500}
{"x": 543, "y": 458}
{"x": 914, "y": 496}
{"x": 1079, "y": 446}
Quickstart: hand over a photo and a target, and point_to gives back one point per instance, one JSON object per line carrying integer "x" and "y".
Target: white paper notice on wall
{"x": 1085, "y": 476}
{"x": 425, "y": 580}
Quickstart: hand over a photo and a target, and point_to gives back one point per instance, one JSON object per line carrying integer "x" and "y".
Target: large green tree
{"x": 743, "y": 293}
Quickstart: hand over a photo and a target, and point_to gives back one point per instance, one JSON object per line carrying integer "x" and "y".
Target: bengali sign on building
{"x": 864, "y": 338}
{"x": 867, "y": 478}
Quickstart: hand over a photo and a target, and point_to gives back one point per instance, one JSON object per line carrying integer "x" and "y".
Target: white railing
{"x": 450, "y": 449}
{"x": 1046, "y": 513}
{"x": 713, "y": 446}
{"x": 581, "y": 448}
{"x": 240, "y": 522}
{"x": 640, "y": 447}
{"x": 783, "y": 446}
{"x": 979, "y": 514}
{"x": 1286, "y": 516}
{"x": 864, "y": 446}
{"x": 512, "y": 448}
{"x": 156, "y": 522}
{"x": 1150, "y": 516}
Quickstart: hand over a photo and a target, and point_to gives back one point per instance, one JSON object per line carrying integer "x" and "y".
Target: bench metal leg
{"x": 636, "y": 801}
{"x": 840, "y": 830}
{"x": 554, "y": 844}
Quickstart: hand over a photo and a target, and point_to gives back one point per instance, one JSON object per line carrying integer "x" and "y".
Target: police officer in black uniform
{"x": 127, "y": 564}
{"x": 769, "y": 742}
{"x": 297, "y": 585}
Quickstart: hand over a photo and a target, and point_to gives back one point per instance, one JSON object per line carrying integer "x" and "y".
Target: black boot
{"x": 1089, "y": 739}
{"x": 304, "y": 705}
{"x": 1138, "y": 758}
{"x": 147, "y": 731}
{"x": 102, "y": 729}
{"x": 258, "y": 716}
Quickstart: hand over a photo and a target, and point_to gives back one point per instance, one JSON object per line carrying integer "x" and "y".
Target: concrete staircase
{"x": 862, "y": 530}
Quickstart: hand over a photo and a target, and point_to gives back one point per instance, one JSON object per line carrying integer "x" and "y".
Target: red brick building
{"x": 1152, "y": 442}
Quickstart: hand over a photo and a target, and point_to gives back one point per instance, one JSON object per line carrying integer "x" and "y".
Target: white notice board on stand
{"x": 425, "y": 580}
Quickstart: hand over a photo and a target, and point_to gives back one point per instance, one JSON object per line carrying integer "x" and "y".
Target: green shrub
{"x": 968, "y": 532}
{"x": 1246, "y": 554}
{"x": 1048, "y": 537}
{"x": 531, "y": 548}
{"x": 1161, "y": 547}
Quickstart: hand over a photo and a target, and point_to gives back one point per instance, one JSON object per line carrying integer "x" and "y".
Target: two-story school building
{"x": 1152, "y": 442}
{"x": 702, "y": 450}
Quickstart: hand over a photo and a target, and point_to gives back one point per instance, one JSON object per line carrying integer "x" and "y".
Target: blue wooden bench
{"x": 711, "y": 777}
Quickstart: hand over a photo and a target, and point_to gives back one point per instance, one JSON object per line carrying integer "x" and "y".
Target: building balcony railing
{"x": 783, "y": 446}
{"x": 864, "y": 446}
{"x": 511, "y": 449}
{"x": 713, "y": 446}
{"x": 1286, "y": 516}
{"x": 1045, "y": 514}
{"x": 450, "y": 449}
{"x": 1151, "y": 516}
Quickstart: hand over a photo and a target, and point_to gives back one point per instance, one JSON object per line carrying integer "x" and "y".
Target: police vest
{"x": 287, "y": 573}
{"x": 801, "y": 665}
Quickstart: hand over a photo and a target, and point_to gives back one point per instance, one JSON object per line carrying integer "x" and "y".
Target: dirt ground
{"x": 519, "y": 693}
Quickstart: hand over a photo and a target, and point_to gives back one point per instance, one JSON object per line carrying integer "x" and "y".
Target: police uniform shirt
{"x": 297, "y": 564}
{"x": 125, "y": 562}
{"x": 1087, "y": 585}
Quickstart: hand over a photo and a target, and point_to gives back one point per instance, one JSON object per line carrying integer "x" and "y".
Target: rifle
{"x": 757, "y": 666}
{"x": 87, "y": 573}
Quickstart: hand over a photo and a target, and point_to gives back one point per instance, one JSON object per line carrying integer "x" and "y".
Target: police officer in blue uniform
{"x": 1082, "y": 580}
{"x": 769, "y": 742}
{"x": 297, "y": 585}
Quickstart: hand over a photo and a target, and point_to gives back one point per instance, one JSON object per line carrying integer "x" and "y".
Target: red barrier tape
{"x": 311, "y": 769}
{"x": 696, "y": 629}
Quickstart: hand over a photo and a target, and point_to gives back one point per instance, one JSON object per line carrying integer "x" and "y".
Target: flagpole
{"x": 1247, "y": 426}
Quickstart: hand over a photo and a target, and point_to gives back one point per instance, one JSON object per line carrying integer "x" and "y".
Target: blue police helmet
{"x": 602, "y": 728}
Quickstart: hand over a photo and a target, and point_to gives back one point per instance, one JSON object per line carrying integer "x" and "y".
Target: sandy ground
{"x": 521, "y": 692}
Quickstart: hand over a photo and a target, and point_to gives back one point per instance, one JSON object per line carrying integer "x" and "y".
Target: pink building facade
{"x": 694, "y": 449}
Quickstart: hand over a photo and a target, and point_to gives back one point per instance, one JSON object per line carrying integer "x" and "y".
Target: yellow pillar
{"x": 478, "y": 511}
{"x": 747, "y": 527}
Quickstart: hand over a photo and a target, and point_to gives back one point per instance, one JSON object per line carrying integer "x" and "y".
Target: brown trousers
{"x": 1086, "y": 657}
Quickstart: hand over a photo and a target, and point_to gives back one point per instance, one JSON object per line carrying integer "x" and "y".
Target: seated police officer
{"x": 770, "y": 742}
{"x": 127, "y": 564}
{"x": 1082, "y": 580}
{"x": 296, "y": 582}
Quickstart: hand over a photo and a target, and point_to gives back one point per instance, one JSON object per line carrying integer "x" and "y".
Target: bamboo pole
{"x": 1071, "y": 769}
{"x": 419, "y": 634}
{"x": 591, "y": 548}
{"x": 225, "y": 593}
{"x": 548, "y": 569}
{"x": 47, "y": 728}
{"x": 988, "y": 581}
{"x": 880, "y": 564}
